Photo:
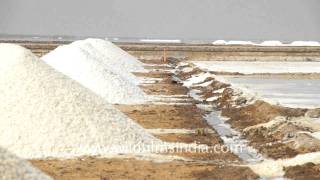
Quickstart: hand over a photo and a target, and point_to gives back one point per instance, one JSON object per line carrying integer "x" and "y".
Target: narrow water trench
{"x": 232, "y": 138}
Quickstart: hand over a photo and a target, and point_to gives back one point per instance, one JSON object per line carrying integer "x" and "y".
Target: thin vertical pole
{"x": 165, "y": 55}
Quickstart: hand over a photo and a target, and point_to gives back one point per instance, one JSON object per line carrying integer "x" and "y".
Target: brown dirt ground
{"x": 102, "y": 169}
{"x": 158, "y": 67}
{"x": 152, "y": 61}
{"x": 165, "y": 116}
{"x": 208, "y": 139}
{"x": 153, "y": 74}
{"x": 164, "y": 88}
{"x": 307, "y": 171}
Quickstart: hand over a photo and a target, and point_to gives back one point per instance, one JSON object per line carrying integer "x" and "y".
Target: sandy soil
{"x": 164, "y": 87}
{"x": 102, "y": 169}
{"x": 209, "y": 139}
{"x": 165, "y": 116}
{"x": 308, "y": 171}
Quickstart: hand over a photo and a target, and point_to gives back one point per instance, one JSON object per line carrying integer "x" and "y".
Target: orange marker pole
{"x": 165, "y": 55}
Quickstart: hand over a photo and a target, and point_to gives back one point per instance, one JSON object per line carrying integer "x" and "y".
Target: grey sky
{"x": 285, "y": 20}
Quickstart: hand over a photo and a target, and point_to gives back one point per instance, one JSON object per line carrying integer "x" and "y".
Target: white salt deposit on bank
{"x": 240, "y": 43}
{"x": 11, "y": 167}
{"x": 197, "y": 79}
{"x": 219, "y": 42}
{"x": 254, "y": 67}
{"x": 267, "y": 43}
{"x": 87, "y": 63}
{"x": 305, "y": 43}
{"x": 43, "y": 113}
{"x": 274, "y": 168}
{"x": 271, "y": 43}
{"x": 316, "y": 135}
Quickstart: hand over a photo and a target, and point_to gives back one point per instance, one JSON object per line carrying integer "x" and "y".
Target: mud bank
{"x": 281, "y": 139}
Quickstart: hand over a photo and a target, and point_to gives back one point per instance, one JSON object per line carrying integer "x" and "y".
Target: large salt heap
{"x": 116, "y": 56}
{"x": 83, "y": 63}
{"x": 11, "y": 167}
{"x": 103, "y": 52}
{"x": 43, "y": 113}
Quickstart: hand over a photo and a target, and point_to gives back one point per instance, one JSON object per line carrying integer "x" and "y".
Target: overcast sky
{"x": 285, "y": 20}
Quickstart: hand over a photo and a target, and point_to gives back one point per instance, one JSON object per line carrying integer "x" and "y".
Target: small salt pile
{"x": 43, "y": 113}
{"x": 271, "y": 43}
{"x": 11, "y": 167}
{"x": 85, "y": 65}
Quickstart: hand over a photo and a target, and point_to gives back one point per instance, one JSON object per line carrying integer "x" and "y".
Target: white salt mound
{"x": 117, "y": 56}
{"x": 12, "y": 167}
{"x": 76, "y": 61}
{"x": 271, "y": 43}
{"x": 219, "y": 42}
{"x": 100, "y": 54}
{"x": 43, "y": 113}
{"x": 305, "y": 43}
{"x": 112, "y": 56}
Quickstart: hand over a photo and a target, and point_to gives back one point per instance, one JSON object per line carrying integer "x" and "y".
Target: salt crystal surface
{"x": 198, "y": 78}
{"x": 213, "y": 98}
{"x": 99, "y": 51}
{"x": 82, "y": 62}
{"x": 271, "y": 43}
{"x": 219, "y": 42}
{"x": 296, "y": 93}
{"x": 275, "y": 168}
{"x": 43, "y": 113}
{"x": 305, "y": 43}
{"x": 266, "y": 43}
{"x": 251, "y": 67}
{"x": 11, "y": 167}
{"x": 116, "y": 56}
